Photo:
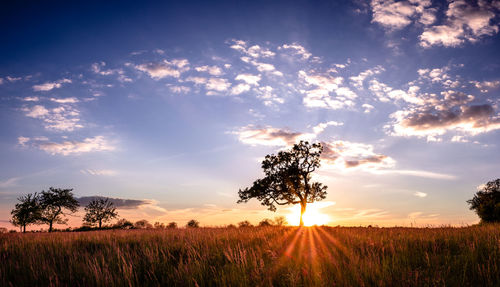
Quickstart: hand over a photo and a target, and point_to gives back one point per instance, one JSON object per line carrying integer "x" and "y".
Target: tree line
{"x": 52, "y": 206}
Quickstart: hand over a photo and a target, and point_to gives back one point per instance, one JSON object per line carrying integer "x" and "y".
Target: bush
{"x": 193, "y": 223}
{"x": 143, "y": 224}
{"x": 172, "y": 225}
{"x": 245, "y": 223}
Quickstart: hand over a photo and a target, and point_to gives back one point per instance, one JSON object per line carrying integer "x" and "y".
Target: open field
{"x": 286, "y": 256}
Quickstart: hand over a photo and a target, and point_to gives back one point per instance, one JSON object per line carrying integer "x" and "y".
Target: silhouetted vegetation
{"x": 486, "y": 202}
{"x": 245, "y": 223}
{"x": 143, "y": 224}
{"x": 280, "y": 221}
{"x": 99, "y": 210}
{"x": 54, "y": 203}
{"x": 193, "y": 223}
{"x": 27, "y": 212}
{"x": 172, "y": 225}
{"x": 288, "y": 179}
{"x": 123, "y": 224}
{"x": 47, "y": 207}
{"x": 265, "y": 222}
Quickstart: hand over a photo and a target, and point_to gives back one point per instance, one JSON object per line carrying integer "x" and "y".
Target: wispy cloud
{"x": 94, "y": 144}
{"x": 50, "y": 85}
{"x": 160, "y": 70}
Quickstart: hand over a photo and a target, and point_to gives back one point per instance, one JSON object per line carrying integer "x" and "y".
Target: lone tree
{"x": 193, "y": 223}
{"x": 26, "y": 212}
{"x": 486, "y": 202}
{"x": 99, "y": 210}
{"x": 288, "y": 179}
{"x": 54, "y": 203}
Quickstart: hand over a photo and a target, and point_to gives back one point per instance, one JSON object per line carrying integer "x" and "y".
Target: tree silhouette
{"x": 143, "y": 224}
{"x": 244, "y": 223}
{"x": 54, "y": 202}
{"x": 26, "y": 212}
{"x": 193, "y": 223}
{"x": 99, "y": 210}
{"x": 265, "y": 222}
{"x": 172, "y": 225}
{"x": 288, "y": 179}
{"x": 280, "y": 221}
{"x": 486, "y": 202}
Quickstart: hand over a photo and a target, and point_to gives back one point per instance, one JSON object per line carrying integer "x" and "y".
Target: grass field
{"x": 288, "y": 256}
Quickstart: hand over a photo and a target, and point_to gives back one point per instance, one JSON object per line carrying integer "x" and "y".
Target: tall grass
{"x": 315, "y": 256}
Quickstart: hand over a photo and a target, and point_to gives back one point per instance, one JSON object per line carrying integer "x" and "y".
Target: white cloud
{"x": 267, "y": 95}
{"x": 240, "y": 88}
{"x": 464, "y": 22}
{"x": 65, "y": 100}
{"x": 358, "y": 80}
{"x": 22, "y": 140}
{"x": 31, "y": 99}
{"x": 420, "y": 194}
{"x": 62, "y": 118}
{"x": 160, "y": 70}
{"x": 95, "y": 144}
{"x": 179, "y": 89}
{"x": 486, "y": 86}
{"x": 319, "y": 88}
{"x": 217, "y": 84}
{"x": 212, "y": 70}
{"x": 37, "y": 111}
{"x": 319, "y": 128}
{"x": 50, "y": 85}
{"x": 249, "y": 79}
{"x": 391, "y": 14}
{"x": 296, "y": 50}
{"x": 254, "y": 51}
{"x": 368, "y": 108}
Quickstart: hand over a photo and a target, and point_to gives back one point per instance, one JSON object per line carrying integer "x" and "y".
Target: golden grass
{"x": 289, "y": 256}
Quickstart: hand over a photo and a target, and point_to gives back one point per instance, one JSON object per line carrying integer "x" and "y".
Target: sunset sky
{"x": 172, "y": 106}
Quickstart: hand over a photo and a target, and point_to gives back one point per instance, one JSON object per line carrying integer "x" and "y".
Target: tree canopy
{"x": 27, "y": 211}
{"x": 55, "y": 203}
{"x": 99, "y": 210}
{"x": 287, "y": 178}
{"x": 486, "y": 202}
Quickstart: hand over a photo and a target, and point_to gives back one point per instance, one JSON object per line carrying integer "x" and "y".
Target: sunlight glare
{"x": 312, "y": 216}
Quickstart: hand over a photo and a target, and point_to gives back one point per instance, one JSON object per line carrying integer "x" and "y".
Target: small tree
{"x": 54, "y": 202}
{"x": 244, "y": 223}
{"x": 288, "y": 179}
{"x": 123, "y": 224}
{"x": 159, "y": 225}
{"x": 486, "y": 202}
{"x": 280, "y": 221}
{"x": 193, "y": 223}
{"x": 143, "y": 224}
{"x": 172, "y": 225}
{"x": 266, "y": 222}
{"x": 26, "y": 212}
{"x": 99, "y": 210}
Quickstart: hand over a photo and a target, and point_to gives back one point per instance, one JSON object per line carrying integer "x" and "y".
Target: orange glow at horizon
{"x": 312, "y": 216}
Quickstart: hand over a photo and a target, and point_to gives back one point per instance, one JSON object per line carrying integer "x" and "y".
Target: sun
{"x": 312, "y": 216}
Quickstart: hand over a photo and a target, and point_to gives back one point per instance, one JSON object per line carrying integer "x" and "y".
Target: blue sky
{"x": 175, "y": 104}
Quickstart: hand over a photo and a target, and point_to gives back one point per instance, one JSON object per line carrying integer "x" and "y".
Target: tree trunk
{"x": 302, "y": 211}
{"x": 24, "y": 228}
{"x": 50, "y": 226}
{"x": 100, "y": 223}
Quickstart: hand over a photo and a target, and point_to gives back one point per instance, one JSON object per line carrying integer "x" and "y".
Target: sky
{"x": 169, "y": 107}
